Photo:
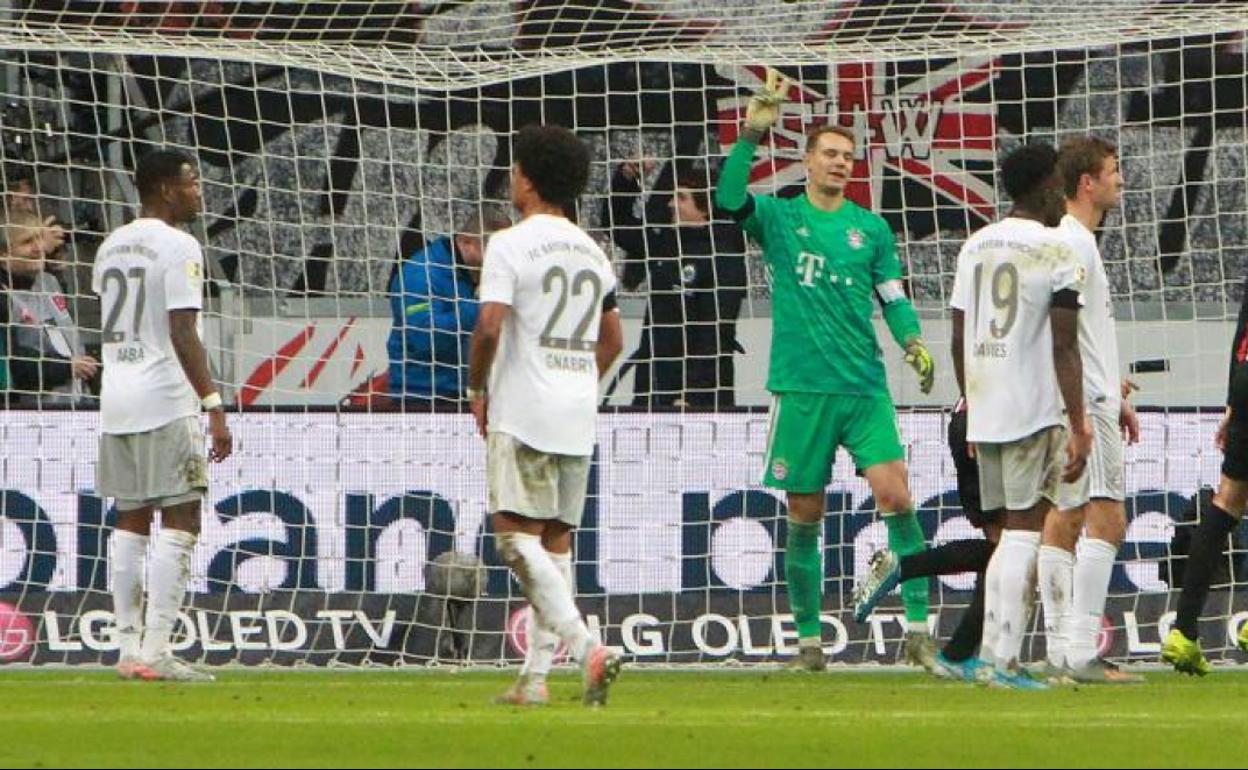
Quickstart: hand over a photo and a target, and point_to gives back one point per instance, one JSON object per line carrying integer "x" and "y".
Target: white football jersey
{"x": 1007, "y": 275}
{"x": 142, "y": 271}
{"x": 1098, "y": 334}
{"x": 544, "y": 381}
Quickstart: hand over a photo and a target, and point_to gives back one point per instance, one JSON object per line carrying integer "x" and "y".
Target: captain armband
{"x": 890, "y": 291}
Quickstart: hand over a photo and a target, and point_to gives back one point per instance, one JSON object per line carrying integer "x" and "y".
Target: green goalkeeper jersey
{"x": 827, "y": 269}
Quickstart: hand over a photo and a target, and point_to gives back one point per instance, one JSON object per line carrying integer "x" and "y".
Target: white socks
{"x": 127, "y": 558}
{"x": 992, "y": 602}
{"x": 1017, "y": 556}
{"x": 1093, "y": 569}
{"x": 542, "y": 640}
{"x": 546, "y": 590}
{"x": 1056, "y": 574}
{"x": 1072, "y": 590}
{"x": 171, "y": 567}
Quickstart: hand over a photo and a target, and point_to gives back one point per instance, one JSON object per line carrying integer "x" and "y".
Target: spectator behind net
{"x": 48, "y": 364}
{"x": 433, "y": 302}
{"x": 695, "y": 266}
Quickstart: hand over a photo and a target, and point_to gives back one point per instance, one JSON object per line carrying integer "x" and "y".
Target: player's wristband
{"x": 211, "y": 401}
{"x": 475, "y": 394}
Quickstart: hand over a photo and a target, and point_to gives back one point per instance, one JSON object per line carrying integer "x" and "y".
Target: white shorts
{"x": 162, "y": 467}
{"x": 1103, "y": 478}
{"x": 1015, "y": 476}
{"x": 535, "y": 484}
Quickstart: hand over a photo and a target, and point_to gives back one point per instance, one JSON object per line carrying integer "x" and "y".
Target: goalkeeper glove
{"x": 764, "y": 108}
{"x": 920, "y": 360}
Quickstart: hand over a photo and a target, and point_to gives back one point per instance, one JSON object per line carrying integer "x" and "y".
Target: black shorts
{"x": 1235, "y": 459}
{"x": 968, "y": 475}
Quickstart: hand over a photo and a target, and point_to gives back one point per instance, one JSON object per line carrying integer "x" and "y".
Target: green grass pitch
{"x": 655, "y": 718}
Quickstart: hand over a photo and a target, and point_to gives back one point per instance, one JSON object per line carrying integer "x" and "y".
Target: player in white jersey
{"x": 1073, "y": 588}
{"x": 547, "y": 330}
{"x": 149, "y": 276}
{"x": 1016, "y": 301}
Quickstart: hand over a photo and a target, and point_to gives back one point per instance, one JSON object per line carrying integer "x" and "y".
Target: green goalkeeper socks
{"x": 905, "y": 537}
{"x": 804, "y": 572}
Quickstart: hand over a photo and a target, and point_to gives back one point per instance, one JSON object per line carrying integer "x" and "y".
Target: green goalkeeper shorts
{"x": 806, "y": 429}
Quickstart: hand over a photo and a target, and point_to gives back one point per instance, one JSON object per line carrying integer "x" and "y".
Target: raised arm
{"x": 732, "y": 192}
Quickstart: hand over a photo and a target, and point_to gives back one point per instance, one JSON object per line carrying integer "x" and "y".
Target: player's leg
{"x": 887, "y": 569}
{"x": 128, "y": 559}
{"x": 543, "y": 642}
{"x": 117, "y": 477}
{"x": 1099, "y": 496}
{"x": 991, "y": 472}
{"x": 525, "y": 497}
{"x": 173, "y": 477}
{"x": 1094, "y": 567}
{"x": 1030, "y": 471}
{"x": 958, "y": 656}
{"x": 172, "y": 550}
{"x": 520, "y": 545}
{"x": 519, "y": 538}
{"x": 1015, "y": 562}
{"x": 801, "y": 446}
{"x": 1182, "y": 647}
{"x": 951, "y": 558}
{"x": 871, "y": 436}
{"x": 891, "y": 491}
{"x": 601, "y": 667}
{"x": 1055, "y": 568}
{"x": 1075, "y": 589}
{"x": 803, "y": 575}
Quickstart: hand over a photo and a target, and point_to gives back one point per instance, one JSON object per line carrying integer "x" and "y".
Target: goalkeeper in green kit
{"x": 829, "y": 259}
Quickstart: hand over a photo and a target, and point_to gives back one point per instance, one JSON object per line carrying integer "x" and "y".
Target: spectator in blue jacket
{"x": 433, "y": 302}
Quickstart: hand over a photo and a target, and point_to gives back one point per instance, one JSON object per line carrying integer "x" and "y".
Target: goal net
{"x": 350, "y": 153}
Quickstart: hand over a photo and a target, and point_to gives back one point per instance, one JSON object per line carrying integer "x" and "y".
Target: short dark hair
{"x": 13, "y": 173}
{"x": 1083, "y": 155}
{"x": 158, "y": 167}
{"x": 1025, "y": 171}
{"x": 695, "y": 182}
{"x": 555, "y": 160}
{"x": 812, "y": 136}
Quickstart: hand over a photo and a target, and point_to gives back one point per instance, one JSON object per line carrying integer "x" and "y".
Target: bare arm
{"x": 955, "y": 349}
{"x": 485, "y": 343}
{"x": 1064, "y": 323}
{"x": 194, "y": 360}
{"x": 481, "y": 358}
{"x": 610, "y": 341}
{"x": 190, "y": 350}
